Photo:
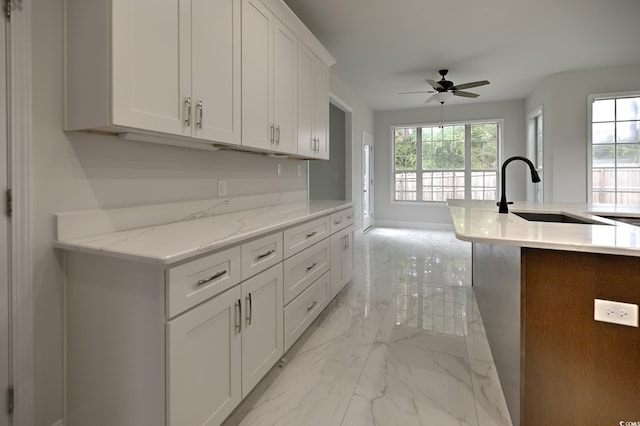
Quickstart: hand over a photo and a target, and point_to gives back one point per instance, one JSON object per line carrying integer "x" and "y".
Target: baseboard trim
{"x": 413, "y": 225}
{"x": 58, "y": 423}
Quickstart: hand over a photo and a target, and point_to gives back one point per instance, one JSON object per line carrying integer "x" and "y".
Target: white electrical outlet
{"x": 279, "y": 169}
{"x": 222, "y": 188}
{"x": 299, "y": 172}
{"x": 615, "y": 312}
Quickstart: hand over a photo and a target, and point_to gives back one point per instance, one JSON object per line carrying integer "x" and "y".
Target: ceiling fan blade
{"x": 430, "y": 99}
{"x": 470, "y": 85}
{"x": 465, "y": 94}
{"x": 435, "y": 84}
{"x": 408, "y": 93}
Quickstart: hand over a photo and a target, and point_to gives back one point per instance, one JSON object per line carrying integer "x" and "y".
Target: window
{"x": 615, "y": 149}
{"x": 535, "y": 150}
{"x": 436, "y": 163}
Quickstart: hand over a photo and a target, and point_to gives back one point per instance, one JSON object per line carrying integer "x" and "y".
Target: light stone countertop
{"x": 480, "y": 222}
{"x": 173, "y": 242}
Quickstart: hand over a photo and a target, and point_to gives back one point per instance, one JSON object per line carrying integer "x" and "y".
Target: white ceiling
{"x": 383, "y": 47}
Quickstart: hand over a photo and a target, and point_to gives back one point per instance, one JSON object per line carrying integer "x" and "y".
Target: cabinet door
{"x": 306, "y": 145}
{"x": 321, "y": 108}
{"x": 262, "y": 332}
{"x": 215, "y": 86}
{"x": 284, "y": 88}
{"x": 257, "y": 78}
{"x": 338, "y": 244}
{"x": 347, "y": 256}
{"x": 203, "y": 362}
{"x": 151, "y": 64}
{"x": 341, "y": 259}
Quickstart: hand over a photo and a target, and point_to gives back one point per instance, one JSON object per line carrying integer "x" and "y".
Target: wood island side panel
{"x": 575, "y": 370}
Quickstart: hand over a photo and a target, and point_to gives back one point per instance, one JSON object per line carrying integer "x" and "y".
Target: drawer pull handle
{"x": 337, "y": 222}
{"x": 262, "y": 256}
{"x": 313, "y": 265}
{"x": 250, "y": 309}
{"x": 211, "y": 278}
{"x": 239, "y": 317}
{"x": 311, "y": 234}
{"x": 311, "y": 305}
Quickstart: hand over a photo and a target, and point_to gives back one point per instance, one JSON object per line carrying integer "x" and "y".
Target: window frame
{"x": 590, "y": 100}
{"x": 535, "y": 144}
{"x": 393, "y": 127}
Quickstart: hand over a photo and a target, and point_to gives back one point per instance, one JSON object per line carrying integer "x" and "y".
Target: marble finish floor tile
{"x": 402, "y": 344}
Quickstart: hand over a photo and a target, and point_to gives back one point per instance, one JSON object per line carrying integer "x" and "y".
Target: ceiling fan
{"x": 446, "y": 88}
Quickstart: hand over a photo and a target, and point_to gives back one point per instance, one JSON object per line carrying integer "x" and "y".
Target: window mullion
{"x": 467, "y": 161}
{"x": 419, "y": 163}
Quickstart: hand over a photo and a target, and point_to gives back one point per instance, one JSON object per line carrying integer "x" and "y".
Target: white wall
{"x": 514, "y": 143}
{"x": 79, "y": 171}
{"x": 564, "y": 96}
{"x": 360, "y": 118}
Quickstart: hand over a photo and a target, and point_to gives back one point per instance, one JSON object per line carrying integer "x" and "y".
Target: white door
{"x": 215, "y": 58}
{"x": 284, "y": 88}
{"x": 4, "y": 234}
{"x": 204, "y": 366}
{"x": 367, "y": 181}
{"x": 257, "y": 79}
{"x": 262, "y": 332}
{"x": 151, "y": 64}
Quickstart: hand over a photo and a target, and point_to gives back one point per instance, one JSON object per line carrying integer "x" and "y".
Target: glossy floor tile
{"x": 402, "y": 344}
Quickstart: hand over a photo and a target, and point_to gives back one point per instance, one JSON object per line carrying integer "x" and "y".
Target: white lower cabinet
{"x": 299, "y": 314}
{"x": 262, "y": 335}
{"x": 341, "y": 259}
{"x": 182, "y": 345}
{"x": 203, "y": 362}
{"x": 234, "y": 338}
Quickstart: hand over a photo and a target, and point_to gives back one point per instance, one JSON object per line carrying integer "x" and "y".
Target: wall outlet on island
{"x": 615, "y": 312}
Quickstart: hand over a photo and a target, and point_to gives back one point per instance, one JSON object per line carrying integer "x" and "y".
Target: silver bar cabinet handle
{"x": 313, "y": 265}
{"x": 262, "y": 256}
{"x": 278, "y": 134}
{"x": 311, "y": 234}
{"x": 200, "y": 115}
{"x": 239, "y": 317}
{"x": 211, "y": 278}
{"x": 187, "y": 104}
{"x": 249, "y": 309}
{"x": 310, "y": 307}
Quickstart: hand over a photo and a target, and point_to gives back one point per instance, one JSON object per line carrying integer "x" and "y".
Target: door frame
{"x": 20, "y": 256}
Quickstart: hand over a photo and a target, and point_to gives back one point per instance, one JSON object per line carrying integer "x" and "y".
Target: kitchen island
{"x": 535, "y": 282}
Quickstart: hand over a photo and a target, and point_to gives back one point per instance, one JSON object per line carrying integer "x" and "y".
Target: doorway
{"x": 5, "y": 337}
{"x": 327, "y": 178}
{"x": 367, "y": 180}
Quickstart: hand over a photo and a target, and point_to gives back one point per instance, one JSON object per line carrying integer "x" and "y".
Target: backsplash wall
{"x": 78, "y": 171}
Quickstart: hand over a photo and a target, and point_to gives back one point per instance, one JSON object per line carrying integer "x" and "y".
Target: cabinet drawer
{"x": 198, "y": 280}
{"x": 299, "y": 314}
{"x": 302, "y": 236}
{"x": 304, "y": 268}
{"x": 261, "y": 254}
{"x": 341, "y": 219}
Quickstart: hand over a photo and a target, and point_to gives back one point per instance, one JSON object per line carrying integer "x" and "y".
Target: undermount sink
{"x": 557, "y": 218}
{"x": 626, "y": 219}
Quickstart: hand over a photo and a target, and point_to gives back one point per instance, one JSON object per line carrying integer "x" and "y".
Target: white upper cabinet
{"x": 215, "y": 72}
{"x": 196, "y": 73}
{"x": 313, "y": 105}
{"x": 169, "y": 67}
{"x": 268, "y": 81}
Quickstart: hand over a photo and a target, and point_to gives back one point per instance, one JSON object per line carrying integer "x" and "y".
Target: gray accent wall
{"x": 327, "y": 177}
